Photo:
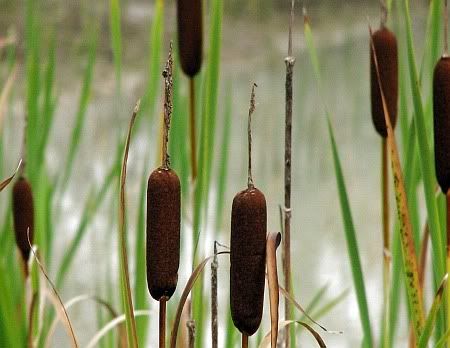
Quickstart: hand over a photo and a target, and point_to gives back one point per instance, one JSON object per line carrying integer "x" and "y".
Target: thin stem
{"x": 386, "y": 246}
{"x": 384, "y": 13}
{"x": 289, "y": 61}
{"x": 445, "y": 28}
{"x": 244, "y": 340}
{"x": 168, "y": 105}
{"x": 162, "y": 322}
{"x": 249, "y": 133}
{"x": 192, "y": 127}
{"x": 214, "y": 320}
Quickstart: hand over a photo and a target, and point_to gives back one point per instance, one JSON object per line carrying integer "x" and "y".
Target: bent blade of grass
{"x": 186, "y": 291}
{"x": 55, "y": 298}
{"x": 431, "y": 319}
{"x": 113, "y": 323}
{"x": 273, "y": 241}
{"x": 83, "y": 298}
{"x": 413, "y": 287}
{"x": 124, "y": 275}
{"x": 7, "y": 181}
{"x": 349, "y": 228}
{"x": 265, "y": 343}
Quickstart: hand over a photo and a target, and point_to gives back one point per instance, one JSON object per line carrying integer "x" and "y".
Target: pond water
{"x": 253, "y": 50}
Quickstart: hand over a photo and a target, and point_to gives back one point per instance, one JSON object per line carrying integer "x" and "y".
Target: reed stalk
{"x": 289, "y": 61}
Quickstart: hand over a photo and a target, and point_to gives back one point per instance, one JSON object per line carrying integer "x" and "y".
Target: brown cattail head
{"x": 248, "y": 259}
{"x": 23, "y": 215}
{"x": 441, "y": 108}
{"x": 163, "y": 232}
{"x": 189, "y": 14}
{"x": 385, "y": 45}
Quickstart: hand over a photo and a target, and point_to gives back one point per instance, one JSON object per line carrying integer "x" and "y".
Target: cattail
{"x": 189, "y": 14}
{"x": 441, "y": 106}
{"x": 385, "y": 45}
{"x": 163, "y": 212}
{"x": 163, "y": 232}
{"x": 248, "y": 251}
{"x": 23, "y": 214}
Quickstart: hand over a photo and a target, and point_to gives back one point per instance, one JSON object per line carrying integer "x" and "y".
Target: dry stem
{"x": 168, "y": 105}
{"x": 289, "y": 61}
{"x": 249, "y": 133}
{"x": 162, "y": 322}
{"x": 214, "y": 320}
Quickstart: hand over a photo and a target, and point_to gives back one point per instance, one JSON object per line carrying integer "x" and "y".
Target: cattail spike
{"x": 385, "y": 45}
{"x": 23, "y": 215}
{"x": 190, "y": 41}
{"x": 441, "y": 108}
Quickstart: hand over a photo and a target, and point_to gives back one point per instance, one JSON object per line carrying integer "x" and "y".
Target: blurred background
{"x": 254, "y": 44}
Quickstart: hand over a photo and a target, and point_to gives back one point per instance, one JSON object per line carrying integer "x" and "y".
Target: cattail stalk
{"x": 244, "y": 341}
{"x": 248, "y": 251}
{"x": 163, "y": 217}
{"x": 289, "y": 61}
{"x": 192, "y": 128}
{"x": 385, "y": 47}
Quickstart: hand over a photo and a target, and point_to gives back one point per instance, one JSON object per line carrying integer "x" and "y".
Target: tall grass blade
{"x": 273, "y": 241}
{"x": 265, "y": 343}
{"x": 431, "y": 319}
{"x": 426, "y": 160}
{"x": 349, "y": 229}
{"x": 187, "y": 289}
{"x": 124, "y": 273}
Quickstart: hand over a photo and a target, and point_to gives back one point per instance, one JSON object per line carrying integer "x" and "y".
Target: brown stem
{"x": 445, "y": 28}
{"x": 168, "y": 106}
{"x": 214, "y": 320}
{"x": 192, "y": 127}
{"x": 162, "y": 322}
{"x": 249, "y": 134}
{"x": 244, "y": 341}
{"x": 289, "y": 61}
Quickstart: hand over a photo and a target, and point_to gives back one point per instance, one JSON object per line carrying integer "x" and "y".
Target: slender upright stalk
{"x": 214, "y": 319}
{"x": 162, "y": 322}
{"x": 249, "y": 134}
{"x": 289, "y": 61}
{"x": 192, "y": 127}
{"x": 168, "y": 107}
{"x": 386, "y": 246}
{"x": 445, "y": 28}
{"x": 244, "y": 340}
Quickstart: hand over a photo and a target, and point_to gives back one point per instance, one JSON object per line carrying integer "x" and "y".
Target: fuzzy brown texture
{"x": 385, "y": 45}
{"x": 441, "y": 108}
{"x": 163, "y": 232}
{"x": 189, "y": 13}
{"x": 23, "y": 215}
{"x": 248, "y": 259}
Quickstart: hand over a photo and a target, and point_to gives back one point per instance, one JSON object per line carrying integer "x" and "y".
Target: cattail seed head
{"x": 23, "y": 216}
{"x": 385, "y": 45}
{"x": 248, "y": 259}
{"x": 189, "y": 14}
{"x": 441, "y": 108}
{"x": 163, "y": 232}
